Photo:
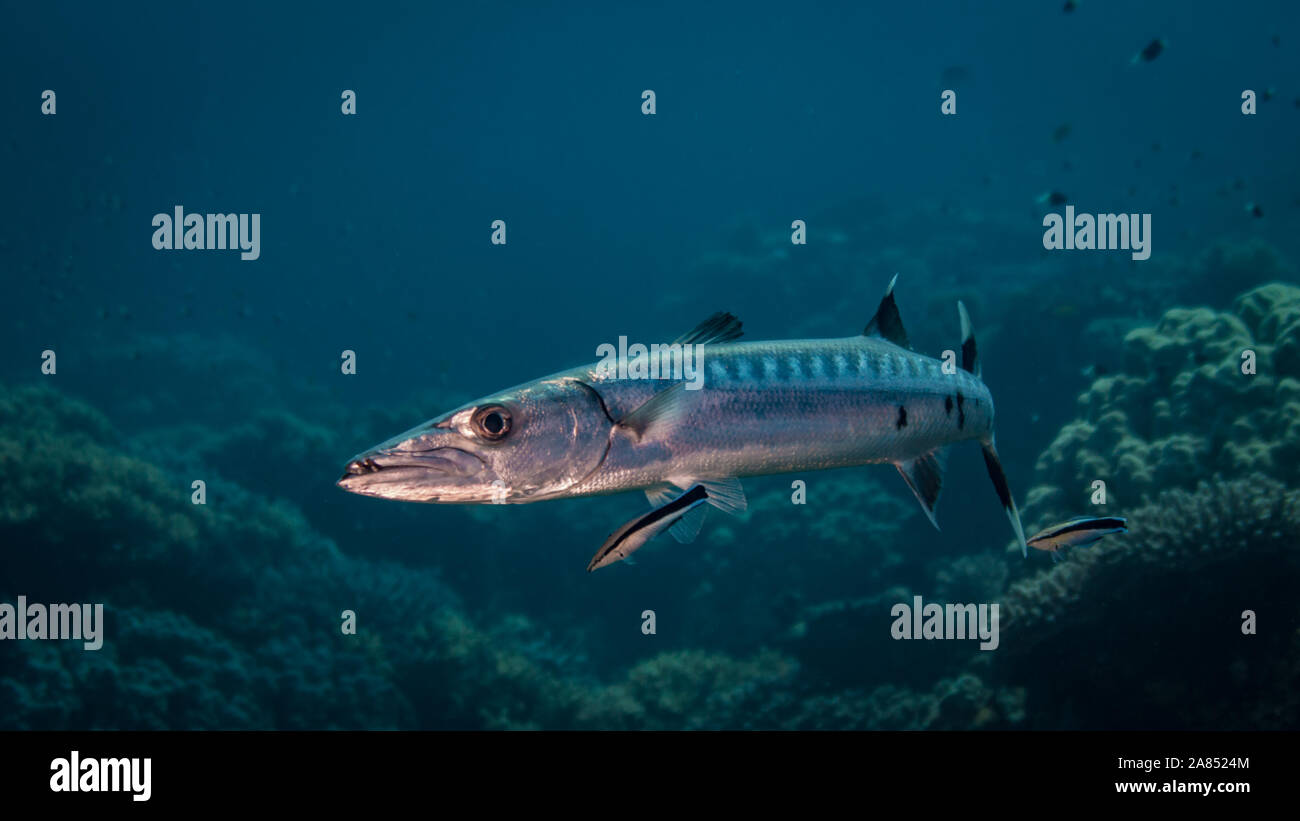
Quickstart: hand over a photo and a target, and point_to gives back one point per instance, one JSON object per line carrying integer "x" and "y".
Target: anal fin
{"x": 924, "y": 475}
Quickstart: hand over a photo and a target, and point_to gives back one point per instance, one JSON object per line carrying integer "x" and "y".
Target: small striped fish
{"x": 1081, "y": 531}
{"x": 763, "y": 408}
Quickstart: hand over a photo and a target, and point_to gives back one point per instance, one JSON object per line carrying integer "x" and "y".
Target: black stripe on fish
{"x": 676, "y": 507}
{"x": 999, "y": 478}
{"x": 902, "y": 417}
{"x": 947, "y": 405}
{"x": 969, "y": 353}
{"x": 961, "y": 412}
{"x": 1114, "y": 523}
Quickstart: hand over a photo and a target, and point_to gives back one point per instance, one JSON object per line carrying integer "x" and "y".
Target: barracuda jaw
{"x": 413, "y": 472}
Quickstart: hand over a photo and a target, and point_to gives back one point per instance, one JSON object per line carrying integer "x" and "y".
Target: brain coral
{"x": 1181, "y": 409}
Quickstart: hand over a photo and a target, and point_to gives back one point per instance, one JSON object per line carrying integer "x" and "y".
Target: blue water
{"x": 375, "y": 238}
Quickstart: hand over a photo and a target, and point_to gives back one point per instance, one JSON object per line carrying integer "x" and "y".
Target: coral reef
{"x": 1182, "y": 409}
{"x": 227, "y": 614}
{"x": 218, "y": 615}
{"x": 1138, "y": 623}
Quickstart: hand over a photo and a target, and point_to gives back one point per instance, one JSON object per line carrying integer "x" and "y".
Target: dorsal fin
{"x": 887, "y": 323}
{"x": 720, "y": 327}
{"x": 970, "y": 360}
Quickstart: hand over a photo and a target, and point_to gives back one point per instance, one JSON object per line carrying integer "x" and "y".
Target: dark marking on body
{"x": 947, "y": 405}
{"x": 961, "y": 412}
{"x": 902, "y": 417}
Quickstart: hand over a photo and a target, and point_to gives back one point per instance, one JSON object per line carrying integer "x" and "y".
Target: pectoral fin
{"x": 725, "y": 494}
{"x": 661, "y": 411}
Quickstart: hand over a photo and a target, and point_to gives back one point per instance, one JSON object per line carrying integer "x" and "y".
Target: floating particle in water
{"x": 1155, "y": 146}
{"x": 1269, "y": 93}
{"x": 1070, "y": 5}
{"x": 1151, "y": 52}
{"x": 1196, "y": 153}
{"x": 1254, "y": 210}
{"x": 954, "y": 76}
{"x": 1060, "y": 132}
{"x": 1053, "y": 198}
{"x": 1276, "y": 39}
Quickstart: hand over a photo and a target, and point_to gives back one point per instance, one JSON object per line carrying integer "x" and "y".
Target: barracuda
{"x": 764, "y": 408}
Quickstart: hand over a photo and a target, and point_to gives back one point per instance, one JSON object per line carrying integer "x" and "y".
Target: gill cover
{"x": 558, "y": 435}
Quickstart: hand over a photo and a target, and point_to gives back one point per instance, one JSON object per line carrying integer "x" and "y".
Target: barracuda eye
{"x": 492, "y": 422}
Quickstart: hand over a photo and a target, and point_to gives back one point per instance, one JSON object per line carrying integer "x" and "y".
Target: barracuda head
{"x": 526, "y": 444}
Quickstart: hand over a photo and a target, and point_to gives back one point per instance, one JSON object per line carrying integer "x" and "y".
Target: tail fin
{"x": 970, "y": 362}
{"x": 999, "y": 478}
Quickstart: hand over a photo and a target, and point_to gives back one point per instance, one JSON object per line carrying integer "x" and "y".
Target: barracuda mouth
{"x": 425, "y": 475}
